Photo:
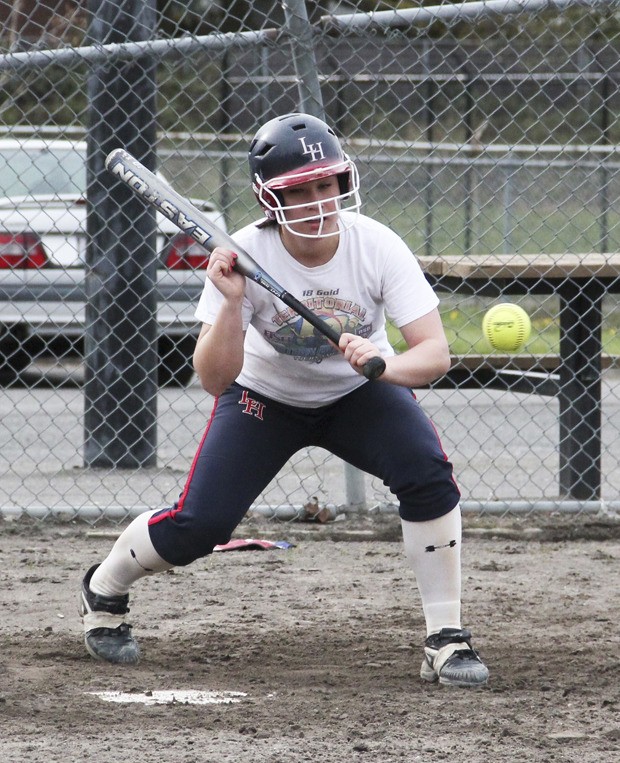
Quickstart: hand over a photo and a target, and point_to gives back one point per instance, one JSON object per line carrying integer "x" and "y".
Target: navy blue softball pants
{"x": 378, "y": 428}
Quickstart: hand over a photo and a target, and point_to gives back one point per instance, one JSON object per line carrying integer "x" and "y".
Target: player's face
{"x": 311, "y": 209}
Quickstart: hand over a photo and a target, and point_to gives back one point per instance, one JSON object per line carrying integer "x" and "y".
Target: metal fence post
{"x": 121, "y": 330}
{"x": 355, "y": 487}
{"x": 309, "y": 87}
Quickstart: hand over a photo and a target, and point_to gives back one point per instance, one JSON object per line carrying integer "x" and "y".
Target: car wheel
{"x": 175, "y": 367}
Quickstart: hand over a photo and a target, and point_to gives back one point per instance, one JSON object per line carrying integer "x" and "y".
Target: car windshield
{"x": 31, "y": 172}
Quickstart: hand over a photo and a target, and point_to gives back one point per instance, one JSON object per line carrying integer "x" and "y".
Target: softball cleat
{"x": 106, "y": 634}
{"x": 450, "y": 659}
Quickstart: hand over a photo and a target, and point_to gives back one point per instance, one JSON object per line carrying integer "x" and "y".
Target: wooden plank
{"x": 524, "y": 266}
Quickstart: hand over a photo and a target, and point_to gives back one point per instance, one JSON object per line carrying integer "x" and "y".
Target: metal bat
{"x": 194, "y": 223}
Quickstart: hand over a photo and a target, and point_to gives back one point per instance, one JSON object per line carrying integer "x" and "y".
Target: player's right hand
{"x": 221, "y": 273}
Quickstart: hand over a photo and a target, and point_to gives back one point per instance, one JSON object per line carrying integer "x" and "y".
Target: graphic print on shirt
{"x": 295, "y": 336}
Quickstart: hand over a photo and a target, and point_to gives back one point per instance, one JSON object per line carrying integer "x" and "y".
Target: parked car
{"x": 42, "y": 256}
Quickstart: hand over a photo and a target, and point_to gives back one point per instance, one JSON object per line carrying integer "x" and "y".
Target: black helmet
{"x": 293, "y": 149}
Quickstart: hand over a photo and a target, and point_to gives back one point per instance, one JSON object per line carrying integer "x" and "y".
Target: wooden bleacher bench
{"x": 516, "y": 373}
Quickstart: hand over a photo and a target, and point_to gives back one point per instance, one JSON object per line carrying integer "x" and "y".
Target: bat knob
{"x": 373, "y": 368}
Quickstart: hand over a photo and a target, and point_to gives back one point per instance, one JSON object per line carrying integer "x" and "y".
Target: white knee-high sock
{"x": 433, "y": 550}
{"x": 132, "y": 557}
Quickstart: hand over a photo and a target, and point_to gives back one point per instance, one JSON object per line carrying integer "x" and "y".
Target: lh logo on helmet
{"x": 314, "y": 149}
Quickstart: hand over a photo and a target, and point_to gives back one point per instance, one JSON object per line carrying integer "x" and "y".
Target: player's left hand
{"x": 357, "y": 350}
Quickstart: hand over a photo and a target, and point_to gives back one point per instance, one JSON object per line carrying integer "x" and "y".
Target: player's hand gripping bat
{"x": 194, "y": 223}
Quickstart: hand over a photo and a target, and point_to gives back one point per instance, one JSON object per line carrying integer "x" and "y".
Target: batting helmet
{"x": 298, "y": 148}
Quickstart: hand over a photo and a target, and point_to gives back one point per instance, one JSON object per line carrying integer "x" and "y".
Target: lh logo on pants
{"x": 252, "y": 407}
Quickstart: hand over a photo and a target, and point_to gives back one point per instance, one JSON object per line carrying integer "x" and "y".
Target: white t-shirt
{"x": 373, "y": 273}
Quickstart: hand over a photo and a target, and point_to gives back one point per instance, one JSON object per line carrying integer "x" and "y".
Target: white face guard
{"x": 328, "y": 208}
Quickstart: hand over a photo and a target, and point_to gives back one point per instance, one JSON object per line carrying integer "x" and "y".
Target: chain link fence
{"x": 485, "y": 133}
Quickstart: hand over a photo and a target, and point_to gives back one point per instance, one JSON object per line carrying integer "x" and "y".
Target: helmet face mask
{"x": 295, "y": 149}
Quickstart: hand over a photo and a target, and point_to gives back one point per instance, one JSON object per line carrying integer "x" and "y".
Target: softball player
{"x": 280, "y": 386}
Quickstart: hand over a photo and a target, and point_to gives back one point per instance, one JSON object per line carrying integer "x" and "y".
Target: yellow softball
{"x": 506, "y": 327}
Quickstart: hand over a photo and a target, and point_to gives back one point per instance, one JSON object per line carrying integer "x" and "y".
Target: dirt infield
{"x": 324, "y": 641}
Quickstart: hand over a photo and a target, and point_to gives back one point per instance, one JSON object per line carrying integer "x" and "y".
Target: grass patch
{"x": 463, "y": 327}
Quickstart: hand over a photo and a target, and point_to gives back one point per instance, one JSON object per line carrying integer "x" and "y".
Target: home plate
{"x": 172, "y": 697}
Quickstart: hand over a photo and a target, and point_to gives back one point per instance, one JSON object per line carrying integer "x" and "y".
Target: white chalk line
{"x": 171, "y": 697}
